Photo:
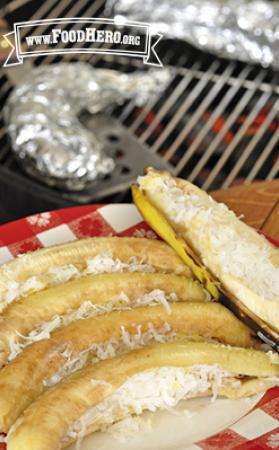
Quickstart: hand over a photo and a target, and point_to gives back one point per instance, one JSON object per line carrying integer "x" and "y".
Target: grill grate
{"x": 216, "y": 123}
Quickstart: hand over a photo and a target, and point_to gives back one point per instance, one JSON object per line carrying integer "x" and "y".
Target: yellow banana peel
{"x": 160, "y": 225}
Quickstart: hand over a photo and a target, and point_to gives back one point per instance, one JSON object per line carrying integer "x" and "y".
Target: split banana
{"x": 244, "y": 263}
{"x": 158, "y": 223}
{"x": 46, "y": 362}
{"x": 96, "y": 396}
{"x": 39, "y": 314}
{"x": 46, "y": 267}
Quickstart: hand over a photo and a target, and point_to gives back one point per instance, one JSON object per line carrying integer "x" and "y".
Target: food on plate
{"x": 46, "y": 362}
{"x": 155, "y": 377}
{"x": 244, "y": 262}
{"x": 98, "y": 330}
{"x": 159, "y": 223}
{"x": 35, "y": 317}
{"x": 46, "y": 267}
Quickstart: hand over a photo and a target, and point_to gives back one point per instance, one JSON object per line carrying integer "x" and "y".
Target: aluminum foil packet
{"x": 42, "y": 116}
{"x": 247, "y": 30}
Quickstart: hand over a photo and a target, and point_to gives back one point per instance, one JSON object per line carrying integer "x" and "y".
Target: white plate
{"x": 195, "y": 420}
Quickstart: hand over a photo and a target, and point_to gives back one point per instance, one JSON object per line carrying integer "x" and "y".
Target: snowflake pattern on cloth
{"x": 41, "y": 220}
{"x": 273, "y": 440}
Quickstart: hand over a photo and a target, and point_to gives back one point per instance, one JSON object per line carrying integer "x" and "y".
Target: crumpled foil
{"x": 237, "y": 29}
{"x": 42, "y": 116}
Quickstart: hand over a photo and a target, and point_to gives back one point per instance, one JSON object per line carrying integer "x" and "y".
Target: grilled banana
{"x": 39, "y": 314}
{"x": 44, "y": 363}
{"x": 244, "y": 262}
{"x": 157, "y": 221}
{"x": 54, "y": 265}
{"x": 157, "y": 376}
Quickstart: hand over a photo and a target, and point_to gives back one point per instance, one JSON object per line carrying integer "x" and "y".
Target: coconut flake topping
{"x": 111, "y": 348}
{"x": 102, "y": 263}
{"x": 105, "y": 263}
{"x": 87, "y": 310}
{"x": 210, "y": 225}
{"x": 161, "y": 388}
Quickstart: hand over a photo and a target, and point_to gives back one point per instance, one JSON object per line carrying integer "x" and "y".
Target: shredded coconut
{"x": 109, "y": 349}
{"x": 210, "y": 225}
{"x": 102, "y": 263}
{"x": 161, "y": 388}
{"x": 31, "y": 285}
{"x": 12, "y": 292}
{"x": 87, "y": 310}
{"x": 63, "y": 273}
{"x": 157, "y": 296}
{"x": 35, "y": 335}
{"x": 17, "y": 289}
{"x": 15, "y": 349}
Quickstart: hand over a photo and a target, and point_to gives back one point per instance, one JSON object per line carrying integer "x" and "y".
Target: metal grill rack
{"x": 216, "y": 123}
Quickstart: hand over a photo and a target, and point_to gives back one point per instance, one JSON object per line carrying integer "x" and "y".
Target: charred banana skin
{"x": 258, "y": 311}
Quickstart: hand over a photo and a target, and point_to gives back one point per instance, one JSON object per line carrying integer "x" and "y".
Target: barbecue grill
{"x": 216, "y": 123}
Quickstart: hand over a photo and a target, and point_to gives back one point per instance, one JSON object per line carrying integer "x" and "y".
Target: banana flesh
{"x": 22, "y": 317}
{"x": 23, "y": 379}
{"x": 159, "y": 224}
{"x": 34, "y": 268}
{"x": 45, "y": 424}
{"x": 242, "y": 262}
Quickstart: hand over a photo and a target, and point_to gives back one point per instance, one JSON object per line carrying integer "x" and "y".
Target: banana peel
{"x": 160, "y": 225}
{"x": 258, "y": 311}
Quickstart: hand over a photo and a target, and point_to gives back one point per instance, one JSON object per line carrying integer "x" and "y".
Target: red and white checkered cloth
{"x": 259, "y": 429}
